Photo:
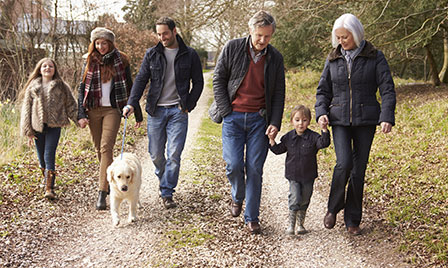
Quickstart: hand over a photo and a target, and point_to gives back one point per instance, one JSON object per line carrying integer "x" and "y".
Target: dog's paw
{"x": 115, "y": 221}
{"x": 132, "y": 219}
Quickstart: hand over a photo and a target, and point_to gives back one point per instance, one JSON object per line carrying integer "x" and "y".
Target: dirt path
{"x": 93, "y": 242}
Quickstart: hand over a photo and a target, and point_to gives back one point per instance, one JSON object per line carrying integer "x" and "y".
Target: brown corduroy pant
{"x": 104, "y": 123}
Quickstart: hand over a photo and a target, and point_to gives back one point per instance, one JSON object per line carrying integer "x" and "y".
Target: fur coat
{"x": 55, "y": 109}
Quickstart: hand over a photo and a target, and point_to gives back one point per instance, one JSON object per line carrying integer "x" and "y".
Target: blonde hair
{"x": 301, "y": 109}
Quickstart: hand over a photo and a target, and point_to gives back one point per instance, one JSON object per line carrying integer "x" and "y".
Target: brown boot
{"x": 49, "y": 186}
{"x": 43, "y": 176}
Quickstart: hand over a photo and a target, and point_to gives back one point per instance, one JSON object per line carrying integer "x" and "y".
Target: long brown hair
{"x": 94, "y": 57}
{"x": 36, "y": 74}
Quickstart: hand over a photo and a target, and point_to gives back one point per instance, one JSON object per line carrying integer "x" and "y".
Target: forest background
{"x": 409, "y": 181}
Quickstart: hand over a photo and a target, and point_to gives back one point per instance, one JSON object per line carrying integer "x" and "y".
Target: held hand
{"x": 271, "y": 131}
{"x": 323, "y": 120}
{"x": 128, "y": 110}
{"x": 83, "y": 122}
{"x": 386, "y": 127}
{"x": 31, "y": 141}
{"x": 272, "y": 141}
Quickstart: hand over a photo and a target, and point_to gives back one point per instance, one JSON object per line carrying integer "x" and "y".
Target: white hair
{"x": 261, "y": 19}
{"x": 351, "y": 23}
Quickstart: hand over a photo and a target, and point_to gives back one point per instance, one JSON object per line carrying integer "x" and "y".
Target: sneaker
{"x": 168, "y": 202}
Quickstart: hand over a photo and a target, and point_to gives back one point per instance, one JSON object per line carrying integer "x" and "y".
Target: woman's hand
{"x": 386, "y": 127}
{"x": 138, "y": 124}
{"x": 323, "y": 120}
{"x": 83, "y": 122}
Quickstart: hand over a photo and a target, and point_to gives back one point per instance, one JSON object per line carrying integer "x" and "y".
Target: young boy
{"x": 301, "y": 145}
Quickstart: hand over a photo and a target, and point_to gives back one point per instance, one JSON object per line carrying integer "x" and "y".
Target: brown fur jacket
{"x": 55, "y": 109}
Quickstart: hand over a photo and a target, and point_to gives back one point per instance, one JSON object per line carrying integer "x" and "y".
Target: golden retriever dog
{"x": 124, "y": 177}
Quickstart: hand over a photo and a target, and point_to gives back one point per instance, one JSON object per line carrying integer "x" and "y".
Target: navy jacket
{"x": 351, "y": 99}
{"x": 301, "y": 151}
{"x": 230, "y": 70}
{"x": 187, "y": 66}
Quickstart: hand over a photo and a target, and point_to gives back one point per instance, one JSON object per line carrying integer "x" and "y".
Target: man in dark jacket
{"x": 249, "y": 89}
{"x": 170, "y": 66}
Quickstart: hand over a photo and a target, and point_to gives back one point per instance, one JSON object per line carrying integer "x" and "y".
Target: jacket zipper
{"x": 351, "y": 91}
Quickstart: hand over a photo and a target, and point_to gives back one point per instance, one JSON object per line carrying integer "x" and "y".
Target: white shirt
{"x": 105, "y": 93}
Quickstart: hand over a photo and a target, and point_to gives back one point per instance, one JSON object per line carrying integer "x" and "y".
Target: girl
{"x": 103, "y": 92}
{"x": 47, "y": 105}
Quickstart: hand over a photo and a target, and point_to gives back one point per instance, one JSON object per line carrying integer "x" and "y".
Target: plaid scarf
{"x": 92, "y": 92}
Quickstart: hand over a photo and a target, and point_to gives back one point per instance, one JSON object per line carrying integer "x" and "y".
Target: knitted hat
{"x": 101, "y": 32}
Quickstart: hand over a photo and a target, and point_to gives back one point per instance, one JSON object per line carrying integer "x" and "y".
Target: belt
{"x": 168, "y": 106}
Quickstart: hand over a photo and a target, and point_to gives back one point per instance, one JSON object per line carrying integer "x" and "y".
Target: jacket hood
{"x": 368, "y": 51}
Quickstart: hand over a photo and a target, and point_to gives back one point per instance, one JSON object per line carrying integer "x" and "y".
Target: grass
{"x": 11, "y": 143}
{"x": 406, "y": 177}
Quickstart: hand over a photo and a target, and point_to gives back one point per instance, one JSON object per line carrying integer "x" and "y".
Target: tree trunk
{"x": 432, "y": 67}
{"x": 443, "y": 75}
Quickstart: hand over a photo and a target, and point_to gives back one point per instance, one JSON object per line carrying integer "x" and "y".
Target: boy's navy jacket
{"x": 301, "y": 151}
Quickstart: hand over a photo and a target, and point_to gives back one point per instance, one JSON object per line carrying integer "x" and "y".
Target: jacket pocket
{"x": 370, "y": 113}
{"x": 156, "y": 72}
{"x": 335, "y": 113}
{"x": 214, "y": 113}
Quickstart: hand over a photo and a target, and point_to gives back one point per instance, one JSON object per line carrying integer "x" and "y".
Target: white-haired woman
{"x": 346, "y": 98}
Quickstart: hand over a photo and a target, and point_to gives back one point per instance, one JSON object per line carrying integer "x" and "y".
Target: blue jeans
{"x": 352, "y": 147}
{"x": 46, "y": 144}
{"x": 300, "y": 194}
{"x": 245, "y": 133}
{"x": 167, "y": 127}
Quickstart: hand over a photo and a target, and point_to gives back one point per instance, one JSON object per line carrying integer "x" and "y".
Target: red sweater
{"x": 250, "y": 97}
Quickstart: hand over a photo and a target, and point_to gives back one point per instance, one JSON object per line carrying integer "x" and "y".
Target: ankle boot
{"x": 101, "y": 203}
{"x": 300, "y": 221}
{"x": 291, "y": 222}
{"x": 44, "y": 176}
{"x": 50, "y": 177}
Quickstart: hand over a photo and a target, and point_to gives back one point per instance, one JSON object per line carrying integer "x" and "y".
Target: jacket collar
{"x": 368, "y": 51}
{"x": 304, "y": 136}
{"x": 182, "y": 47}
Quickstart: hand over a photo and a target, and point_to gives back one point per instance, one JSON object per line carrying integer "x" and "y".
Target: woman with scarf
{"x": 346, "y": 99}
{"x": 103, "y": 92}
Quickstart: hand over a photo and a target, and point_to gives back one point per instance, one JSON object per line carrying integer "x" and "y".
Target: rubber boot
{"x": 300, "y": 221}
{"x": 49, "y": 185}
{"x": 101, "y": 203}
{"x": 291, "y": 222}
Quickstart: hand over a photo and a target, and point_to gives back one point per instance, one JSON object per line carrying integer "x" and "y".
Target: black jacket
{"x": 301, "y": 151}
{"x": 350, "y": 99}
{"x": 187, "y": 66}
{"x": 231, "y": 68}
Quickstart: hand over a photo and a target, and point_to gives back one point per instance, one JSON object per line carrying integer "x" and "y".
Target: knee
{"x": 345, "y": 165}
{"x": 234, "y": 167}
